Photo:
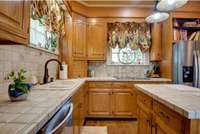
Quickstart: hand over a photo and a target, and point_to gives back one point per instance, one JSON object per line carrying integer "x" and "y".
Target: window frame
{"x": 109, "y": 59}
{"x": 36, "y": 46}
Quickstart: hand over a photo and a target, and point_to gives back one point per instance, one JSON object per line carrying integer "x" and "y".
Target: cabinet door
{"x": 79, "y": 68}
{"x": 96, "y": 41}
{"x": 155, "y": 53}
{"x": 79, "y": 39}
{"x": 76, "y": 114}
{"x": 14, "y": 21}
{"x": 99, "y": 102}
{"x": 159, "y": 130}
{"x": 124, "y": 102}
{"x": 144, "y": 122}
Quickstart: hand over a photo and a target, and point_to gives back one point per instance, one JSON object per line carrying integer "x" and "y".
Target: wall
{"x": 14, "y": 57}
{"x": 103, "y": 70}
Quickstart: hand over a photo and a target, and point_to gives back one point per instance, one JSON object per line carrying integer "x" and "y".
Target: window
{"x": 40, "y": 37}
{"x": 127, "y": 56}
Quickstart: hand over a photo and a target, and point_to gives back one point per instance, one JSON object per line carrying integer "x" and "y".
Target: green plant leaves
{"x": 19, "y": 80}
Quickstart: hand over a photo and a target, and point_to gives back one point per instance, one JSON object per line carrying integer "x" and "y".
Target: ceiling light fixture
{"x": 157, "y": 16}
{"x": 168, "y": 5}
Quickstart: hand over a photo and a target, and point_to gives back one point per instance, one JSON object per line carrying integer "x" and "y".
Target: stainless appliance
{"x": 63, "y": 118}
{"x": 186, "y": 63}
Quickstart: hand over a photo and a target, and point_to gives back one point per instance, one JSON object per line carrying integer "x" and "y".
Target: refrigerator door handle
{"x": 198, "y": 65}
{"x": 195, "y": 83}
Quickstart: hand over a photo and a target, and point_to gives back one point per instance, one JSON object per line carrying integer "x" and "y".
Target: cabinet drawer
{"x": 144, "y": 100}
{"x": 122, "y": 85}
{"x": 100, "y": 84}
{"x": 172, "y": 119}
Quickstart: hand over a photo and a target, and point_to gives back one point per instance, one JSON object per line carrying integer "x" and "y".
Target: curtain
{"x": 50, "y": 14}
{"x": 136, "y": 35}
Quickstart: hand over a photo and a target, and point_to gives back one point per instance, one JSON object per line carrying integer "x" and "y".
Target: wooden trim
{"x": 109, "y": 11}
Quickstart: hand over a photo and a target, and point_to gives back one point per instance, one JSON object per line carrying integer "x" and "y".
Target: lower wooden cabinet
{"x": 107, "y": 101}
{"x": 144, "y": 122}
{"x": 159, "y": 130}
{"x": 99, "y": 102}
{"x": 155, "y": 118}
{"x": 78, "y": 101}
{"x": 123, "y": 102}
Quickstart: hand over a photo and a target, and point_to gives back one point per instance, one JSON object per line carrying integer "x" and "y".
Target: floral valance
{"x": 50, "y": 14}
{"x": 136, "y": 35}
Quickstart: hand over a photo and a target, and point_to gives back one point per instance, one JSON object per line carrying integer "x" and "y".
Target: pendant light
{"x": 168, "y": 5}
{"x": 157, "y": 16}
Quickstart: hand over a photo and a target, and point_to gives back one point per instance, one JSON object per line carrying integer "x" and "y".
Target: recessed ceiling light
{"x": 157, "y": 16}
{"x": 168, "y": 5}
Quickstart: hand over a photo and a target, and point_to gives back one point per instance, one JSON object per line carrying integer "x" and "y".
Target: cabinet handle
{"x": 28, "y": 28}
{"x": 147, "y": 120}
{"x": 163, "y": 115}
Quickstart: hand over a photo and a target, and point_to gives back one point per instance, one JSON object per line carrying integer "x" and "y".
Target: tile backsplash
{"x": 14, "y": 57}
{"x": 103, "y": 70}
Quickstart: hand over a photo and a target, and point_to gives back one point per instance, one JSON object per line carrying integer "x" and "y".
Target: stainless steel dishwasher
{"x": 60, "y": 120}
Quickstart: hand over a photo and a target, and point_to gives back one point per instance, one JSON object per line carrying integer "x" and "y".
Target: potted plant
{"x": 19, "y": 89}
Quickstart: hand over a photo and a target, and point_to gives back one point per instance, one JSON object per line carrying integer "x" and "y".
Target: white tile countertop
{"x": 183, "y": 99}
{"x": 27, "y": 117}
{"x": 128, "y": 79}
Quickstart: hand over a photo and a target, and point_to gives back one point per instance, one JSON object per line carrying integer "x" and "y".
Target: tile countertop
{"x": 128, "y": 80}
{"x": 27, "y": 117}
{"x": 183, "y": 99}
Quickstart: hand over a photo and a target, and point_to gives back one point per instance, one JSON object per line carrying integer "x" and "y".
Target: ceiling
{"x": 118, "y": 3}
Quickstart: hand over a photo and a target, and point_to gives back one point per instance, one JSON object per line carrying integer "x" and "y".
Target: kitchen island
{"x": 168, "y": 108}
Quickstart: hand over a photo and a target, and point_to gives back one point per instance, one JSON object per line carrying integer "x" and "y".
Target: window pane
{"x": 40, "y": 37}
{"x": 128, "y": 56}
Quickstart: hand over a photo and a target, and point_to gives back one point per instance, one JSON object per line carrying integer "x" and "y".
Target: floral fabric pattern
{"x": 137, "y": 35}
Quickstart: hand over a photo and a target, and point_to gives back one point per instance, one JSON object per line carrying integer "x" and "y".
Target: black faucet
{"x": 46, "y": 72}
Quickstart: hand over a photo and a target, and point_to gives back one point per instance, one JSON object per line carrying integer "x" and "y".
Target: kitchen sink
{"x": 132, "y": 78}
{"x": 57, "y": 85}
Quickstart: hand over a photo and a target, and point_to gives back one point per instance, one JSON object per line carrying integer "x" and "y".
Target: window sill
{"x": 43, "y": 49}
{"x": 119, "y": 64}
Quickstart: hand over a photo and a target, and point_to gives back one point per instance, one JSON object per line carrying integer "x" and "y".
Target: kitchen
{"x": 100, "y": 67}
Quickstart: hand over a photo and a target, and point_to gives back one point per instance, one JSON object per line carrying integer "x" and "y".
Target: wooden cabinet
{"x": 155, "y": 53}
{"x": 124, "y": 102}
{"x": 111, "y": 99}
{"x": 14, "y": 21}
{"x": 144, "y": 113}
{"x": 144, "y": 122}
{"x": 99, "y": 102}
{"x": 155, "y": 118}
{"x": 96, "y": 41}
{"x": 78, "y": 68}
{"x": 78, "y": 101}
{"x": 166, "y": 120}
{"x": 79, "y": 37}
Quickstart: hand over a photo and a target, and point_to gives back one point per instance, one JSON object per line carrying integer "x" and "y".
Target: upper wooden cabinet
{"x": 79, "y": 37}
{"x": 155, "y": 53}
{"x": 14, "y": 21}
{"x": 96, "y": 41}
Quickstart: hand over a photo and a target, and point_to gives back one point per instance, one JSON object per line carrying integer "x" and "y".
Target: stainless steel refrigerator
{"x": 186, "y": 63}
